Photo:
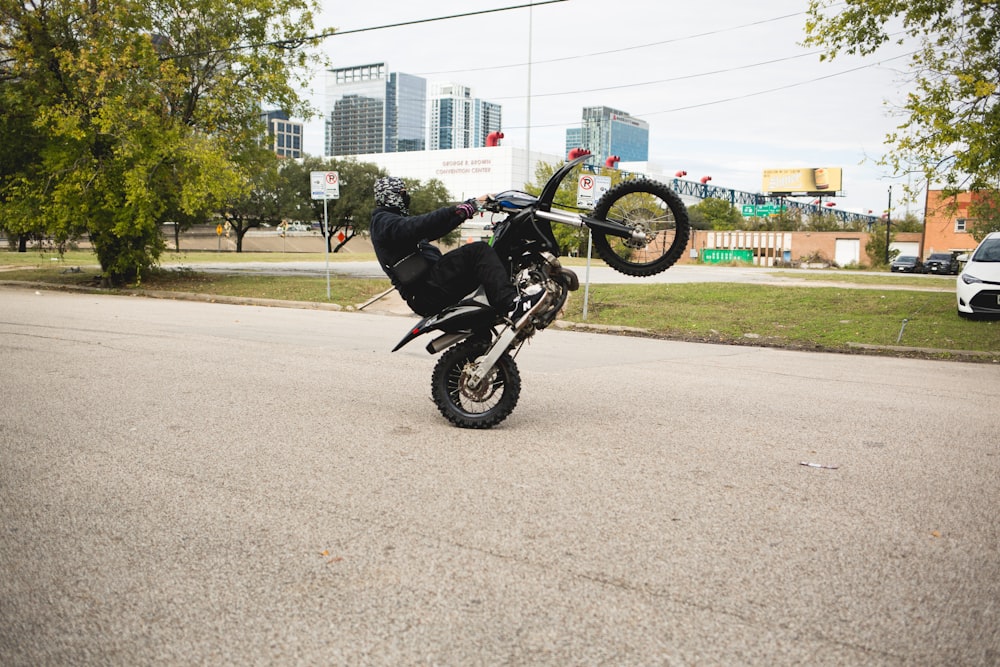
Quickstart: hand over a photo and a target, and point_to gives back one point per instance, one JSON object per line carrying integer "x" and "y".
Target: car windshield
{"x": 906, "y": 259}
{"x": 988, "y": 251}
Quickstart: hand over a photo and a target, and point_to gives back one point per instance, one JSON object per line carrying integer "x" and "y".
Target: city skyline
{"x": 727, "y": 97}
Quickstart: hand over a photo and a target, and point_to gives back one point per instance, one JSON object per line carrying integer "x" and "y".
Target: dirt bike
{"x": 639, "y": 227}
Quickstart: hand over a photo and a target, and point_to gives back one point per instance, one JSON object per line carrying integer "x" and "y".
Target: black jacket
{"x": 395, "y": 236}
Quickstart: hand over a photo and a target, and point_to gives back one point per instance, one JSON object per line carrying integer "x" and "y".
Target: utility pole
{"x": 888, "y": 221}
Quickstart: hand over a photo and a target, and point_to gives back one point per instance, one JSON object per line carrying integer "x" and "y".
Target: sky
{"x": 726, "y": 87}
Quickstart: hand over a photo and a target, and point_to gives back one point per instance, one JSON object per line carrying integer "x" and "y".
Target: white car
{"x": 978, "y": 285}
{"x": 292, "y": 227}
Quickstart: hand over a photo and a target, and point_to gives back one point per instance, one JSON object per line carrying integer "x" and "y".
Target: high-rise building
{"x": 375, "y": 111}
{"x": 574, "y": 139}
{"x": 284, "y": 136}
{"x": 606, "y": 132}
{"x": 458, "y": 120}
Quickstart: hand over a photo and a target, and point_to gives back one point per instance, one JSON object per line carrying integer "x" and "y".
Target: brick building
{"x": 947, "y": 224}
{"x": 846, "y": 248}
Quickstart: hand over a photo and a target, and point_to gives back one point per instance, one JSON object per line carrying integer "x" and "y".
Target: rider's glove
{"x": 467, "y": 209}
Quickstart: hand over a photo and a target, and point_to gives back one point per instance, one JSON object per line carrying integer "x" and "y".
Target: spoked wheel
{"x": 651, "y": 208}
{"x": 483, "y": 406}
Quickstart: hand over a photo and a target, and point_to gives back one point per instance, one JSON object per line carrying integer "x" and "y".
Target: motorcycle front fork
{"x": 485, "y": 365}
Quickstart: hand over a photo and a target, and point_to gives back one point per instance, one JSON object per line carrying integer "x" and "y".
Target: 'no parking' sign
{"x": 324, "y": 184}
{"x": 590, "y": 188}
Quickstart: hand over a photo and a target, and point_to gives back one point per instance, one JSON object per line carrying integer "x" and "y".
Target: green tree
{"x": 910, "y": 222}
{"x": 951, "y": 117}
{"x": 716, "y": 214}
{"x": 820, "y": 222}
{"x": 257, "y": 200}
{"x": 142, "y": 112}
{"x": 571, "y": 240}
{"x": 875, "y": 248}
{"x": 349, "y": 214}
{"x": 985, "y": 213}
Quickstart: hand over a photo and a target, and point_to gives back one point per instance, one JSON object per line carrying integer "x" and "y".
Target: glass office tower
{"x": 284, "y": 136}
{"x": 606, "y": 132}
{"x": 459, "y": 120}
{"x": 374, "y": 111}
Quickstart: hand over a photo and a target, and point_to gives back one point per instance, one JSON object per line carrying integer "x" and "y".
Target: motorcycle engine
{"x": 545, "y": 272}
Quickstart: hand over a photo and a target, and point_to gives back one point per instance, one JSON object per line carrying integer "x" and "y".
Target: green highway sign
{"x": 759, "y": 211}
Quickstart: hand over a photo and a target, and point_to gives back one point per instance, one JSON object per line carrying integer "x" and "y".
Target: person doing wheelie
{"x": 427, "y": 279}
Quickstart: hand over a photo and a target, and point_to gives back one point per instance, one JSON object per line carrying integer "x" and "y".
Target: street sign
{"x": 761, "y": 210}
{"x": 324, "y": 184}
{"x": 590, "y": 188}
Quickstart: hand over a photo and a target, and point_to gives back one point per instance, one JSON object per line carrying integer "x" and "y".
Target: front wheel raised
{"x": 653, "y": 209}
{"x": 483, "y": 406}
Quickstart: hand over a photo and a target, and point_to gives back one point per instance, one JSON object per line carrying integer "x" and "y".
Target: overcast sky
{"x": 726, "y": 87}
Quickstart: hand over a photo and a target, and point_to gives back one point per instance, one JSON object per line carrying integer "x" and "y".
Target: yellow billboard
{"x": 813, "y": 181}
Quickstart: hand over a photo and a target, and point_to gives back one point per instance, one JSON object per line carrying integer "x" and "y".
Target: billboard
{"x": 813, "y": 181}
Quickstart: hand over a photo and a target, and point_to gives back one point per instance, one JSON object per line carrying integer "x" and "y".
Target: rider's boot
{"x": 525, "y": 305}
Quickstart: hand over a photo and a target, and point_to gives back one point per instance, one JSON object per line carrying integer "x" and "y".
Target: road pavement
{"x": 196, "y": 483}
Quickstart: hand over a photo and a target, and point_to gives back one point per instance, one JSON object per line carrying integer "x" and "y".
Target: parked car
{"x": 942, "y": 263}
{"x": 978, "y": 285}
{"x": 906, "y": 264}
{"x": 292, "y": 227}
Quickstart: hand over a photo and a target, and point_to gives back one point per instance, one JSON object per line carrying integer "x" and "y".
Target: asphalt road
{"x": 194, "y": 483}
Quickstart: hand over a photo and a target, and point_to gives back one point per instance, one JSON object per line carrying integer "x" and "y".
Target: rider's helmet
{"x": 390, "y": 192}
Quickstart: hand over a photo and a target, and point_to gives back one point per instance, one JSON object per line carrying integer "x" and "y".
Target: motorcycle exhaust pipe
{"x": 442, "y": 343}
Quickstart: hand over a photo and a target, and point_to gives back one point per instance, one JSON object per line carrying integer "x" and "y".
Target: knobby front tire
{"x": 656, "y": 210}
{"x": 483, "y": 407}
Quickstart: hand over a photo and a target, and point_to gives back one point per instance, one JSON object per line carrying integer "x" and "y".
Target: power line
{"x": 742, "y": 97}
{"x": 620, "y": 50}
{"x": 774, "y": 90}
{"x": 439, "y": 18}
{"x": 682, "y": 77}
{"x": 295, "y": 43}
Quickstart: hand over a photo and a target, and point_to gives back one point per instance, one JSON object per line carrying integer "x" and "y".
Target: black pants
{"x": 457, "y": 274}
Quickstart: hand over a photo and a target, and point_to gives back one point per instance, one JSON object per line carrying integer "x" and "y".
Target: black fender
{"x": 467, "y": 316}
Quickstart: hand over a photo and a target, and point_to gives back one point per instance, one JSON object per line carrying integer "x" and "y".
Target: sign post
{"x": 589, "y": 190}
{"x": 325, "y": 185}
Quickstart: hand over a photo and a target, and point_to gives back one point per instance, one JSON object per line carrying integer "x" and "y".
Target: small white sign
{"x": 324, "y": 184}
{"x": 590, "y": 188}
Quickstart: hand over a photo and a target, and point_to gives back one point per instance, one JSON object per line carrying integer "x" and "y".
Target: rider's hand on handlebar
{"x": 467, "y": 209}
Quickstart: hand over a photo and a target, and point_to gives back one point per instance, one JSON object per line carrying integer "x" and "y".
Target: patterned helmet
{"x": 391, "y": 193}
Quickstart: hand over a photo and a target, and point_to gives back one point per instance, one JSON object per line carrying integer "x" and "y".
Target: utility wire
{"x": 619, "y": 50}
{"x": 295, "y": 43}
{"x": 439, "y": 18}
{"x": 682, "y": 77}
{"x": 774, "y": 90}
{"x": 742, "y": 97}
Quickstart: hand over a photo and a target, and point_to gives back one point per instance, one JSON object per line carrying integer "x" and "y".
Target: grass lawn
{"x": 855, "y": 312}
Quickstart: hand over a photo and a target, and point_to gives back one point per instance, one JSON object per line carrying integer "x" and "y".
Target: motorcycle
{"x": 639, "y": 227}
